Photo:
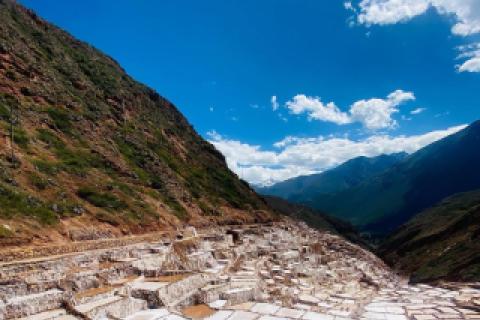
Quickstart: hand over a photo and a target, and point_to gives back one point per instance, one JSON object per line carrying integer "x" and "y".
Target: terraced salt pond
{"x": 262, "y": 272}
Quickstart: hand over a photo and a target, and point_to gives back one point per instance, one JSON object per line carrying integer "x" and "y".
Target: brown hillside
{"x": 95, "y": 153}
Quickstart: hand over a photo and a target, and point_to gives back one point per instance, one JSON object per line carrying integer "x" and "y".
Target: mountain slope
{"x": 441, "y": 242}
{"x": 346, "y": 175}
{"x": 385, "y": 201}
{"x": 96, "y": 153}
{"x": 314, "y": 219}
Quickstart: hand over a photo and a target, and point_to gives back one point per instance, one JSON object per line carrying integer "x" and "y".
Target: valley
{"x": 276, "y": 271}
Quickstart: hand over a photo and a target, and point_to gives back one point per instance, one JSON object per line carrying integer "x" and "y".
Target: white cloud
{"x": 274, "y": 102}
{"x": 382, "y": 12}
{"x": 296, "y": 156}
{"x": 317, "y": 110}
{"x": 373, "y": 113}
{"x": 472, "y": 55}
{"x": 418, "y": 110}
{"x": 399, "y": 96}
{"x": 471, "y": 65}
{"x": 390, "y": 11}
{"x": 377, "y": 113}
{"x": 348, "y": 5}
{"x": 214, "y": 135}
{"x": 466, "y": 14}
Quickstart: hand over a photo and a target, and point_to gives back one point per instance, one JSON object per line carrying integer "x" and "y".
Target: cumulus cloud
{"x": 382, "y": 12}
{"x": 373, "y": 113}
{"x": 390, "y": 11}
{"x": 294, "y": 156}
{"x": 317, "y": 110}
{"x": 274, "y": 102}
{"x": 377, "y": 113}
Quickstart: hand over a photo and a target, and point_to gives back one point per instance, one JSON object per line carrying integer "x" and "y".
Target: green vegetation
{"x": 74, "y": 161}
{"x": 46, "y": 167}
{"x": 442, "y": 242}
{"x": 108, "y": 217}
{"x": 5, "y": 232}
{"x": 101, "y": 200}
{"x": 125, "y": 188}
{"x": 135, "y": 158}
{"x": 61, "y": 119}
{"x": 67, "y": 208}
{"x": 21, "y": 138}
{"x": 4, "y": 112}
{"x": 37, "y": 181}
{"x": 6, "y": 101}
{"x": 178, "y": 210}
{"x": 50, "y": 138}
{"x": 164, "y": 195}
{"x": 15, "y": 203}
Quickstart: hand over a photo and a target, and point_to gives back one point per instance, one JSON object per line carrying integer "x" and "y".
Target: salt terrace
{"x": 262, "y": 272}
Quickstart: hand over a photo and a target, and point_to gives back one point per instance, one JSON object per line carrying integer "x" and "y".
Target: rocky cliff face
{"x": 95, "y": 153}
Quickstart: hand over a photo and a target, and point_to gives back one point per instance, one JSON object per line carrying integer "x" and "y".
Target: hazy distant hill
{"x": 441, "y": 242}
{"x": 349, "y": 174}
{"x": 314, "y": 218}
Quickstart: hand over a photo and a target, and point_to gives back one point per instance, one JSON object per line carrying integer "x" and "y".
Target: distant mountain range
{"x": 347, "y": 175}
{"x": 384, "y": 192}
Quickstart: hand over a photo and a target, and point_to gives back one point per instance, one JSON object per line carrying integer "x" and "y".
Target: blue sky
{"x": 346, "y": 76}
